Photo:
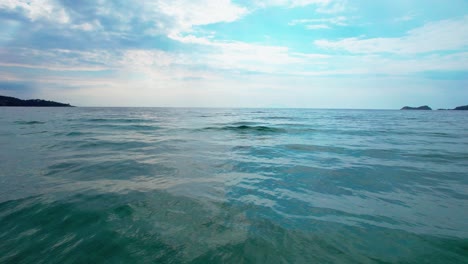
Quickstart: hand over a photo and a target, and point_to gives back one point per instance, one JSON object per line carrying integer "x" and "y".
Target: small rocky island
{"x": 424, "y": 107}
{"x": 12, "y": 101}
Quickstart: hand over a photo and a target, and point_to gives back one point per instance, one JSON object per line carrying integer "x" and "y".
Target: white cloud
{"x": 185, "y": 14}
{"x": 227, "y": 57}
{"x": 434, "y": 36}
{"x": 339, "y": 20}
{"x": 320, "y": 23}
{"x": 235, "y": 55}
{"x": 55, "y": 59}
{"x": 291, "y": 3}
{"x": 281, "y": 60}
{"x": 336, "y": 6}
{"x": 323, "y": 6}
{"x": 37, "y": 9}
{"x": 88, "y": 26}
{"x": 145, "y": 58}
{"x": 175, "y": 16}
{"x": 365, "y": 65}
{"x": 152, "y": 77}
{"x": 317, "y": 26}
{"x": 147, "y": 64}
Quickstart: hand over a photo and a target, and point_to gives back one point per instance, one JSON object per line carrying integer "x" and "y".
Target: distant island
{"x": 12, "y": 101}
{"x": 463, "y": 107}
{"x": 425, "y": 107}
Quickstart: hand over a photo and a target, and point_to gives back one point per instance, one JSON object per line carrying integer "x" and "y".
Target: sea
{"x": 196, "y": 185}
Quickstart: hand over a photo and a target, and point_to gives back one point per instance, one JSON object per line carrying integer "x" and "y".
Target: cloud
{"x": 339, "y": 20}
{"x": 219, "y": 58}
{"x": 236, "y": 55}
{"x": 147, "y": 17}
{"x": 37, "y": 9}
{"x": 320, "y": 23}
{"x": 292, "y": 3}
{"x": 189, "y": 13}
{"x": 88, "y": 26}
{"x": 323, "y": 6}
{"x": 177, "y": 16}
{"x": 335, "y": 7}
{"x": 445, "y": 35}
{"x": 55, "y": 59}
{"x": 155, "y": 77}
{"x": 317, "y": 26}
{"x": 368, "y": 65}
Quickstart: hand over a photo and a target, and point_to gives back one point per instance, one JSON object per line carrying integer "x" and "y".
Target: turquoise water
{"x": 167, "y": 185}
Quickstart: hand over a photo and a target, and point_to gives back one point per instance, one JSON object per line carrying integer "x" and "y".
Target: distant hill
{"x": 464, "y": 107}
{"x": 12, "y": 101}
{"x": 424, "y": 107}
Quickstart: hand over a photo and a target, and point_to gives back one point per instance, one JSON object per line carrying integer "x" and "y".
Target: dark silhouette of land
{"x": 463, "y": 107}
{"x": 12, "y": 101}
{"x": 424, "y": 107}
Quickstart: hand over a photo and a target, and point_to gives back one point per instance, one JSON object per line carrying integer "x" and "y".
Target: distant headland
{"x": 425, "y": 107}
{"x": 463, "y": 107}
{"x": 12, "y": 101}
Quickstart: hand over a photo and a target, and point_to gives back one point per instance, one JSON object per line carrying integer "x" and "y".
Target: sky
{"x": 367, "y": 54}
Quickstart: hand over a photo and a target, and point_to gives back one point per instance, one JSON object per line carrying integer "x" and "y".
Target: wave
{"x": 130, "y": 171}
{"x": 75, "y": 133}
{"x": 35, "y": 132}
{"x": 94, "y": 144}
{"x": 248, "y": 128}
{"x": 116, "y": 120}
{"x": 117, "y": 126}
{"x": 282, "y": 118}
{"x": 313, "y": 148}
{"x": 29, "y": 122}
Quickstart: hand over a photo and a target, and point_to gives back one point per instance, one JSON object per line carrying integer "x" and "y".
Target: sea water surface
{"x": 175, "y": 185}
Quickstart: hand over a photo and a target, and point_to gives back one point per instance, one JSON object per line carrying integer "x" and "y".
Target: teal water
{"x": 167, "y": 185}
